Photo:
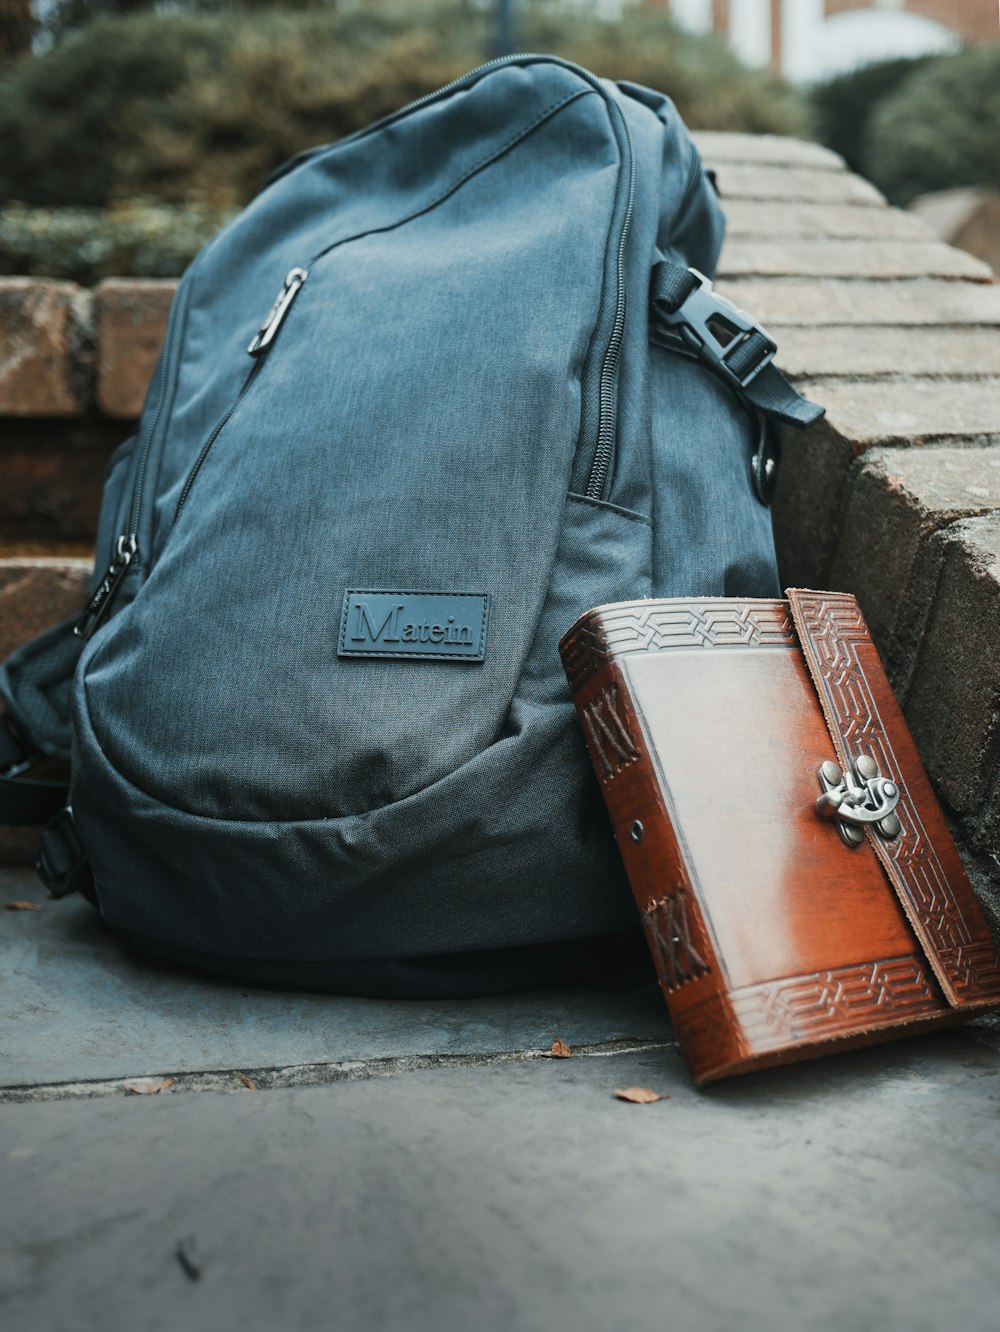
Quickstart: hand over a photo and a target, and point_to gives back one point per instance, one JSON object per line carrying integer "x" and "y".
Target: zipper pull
{"x": 269, "y": 328}
{"x": 125, "y": 551}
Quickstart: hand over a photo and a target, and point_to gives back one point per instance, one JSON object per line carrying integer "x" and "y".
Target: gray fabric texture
{"x": 430, "y": 416}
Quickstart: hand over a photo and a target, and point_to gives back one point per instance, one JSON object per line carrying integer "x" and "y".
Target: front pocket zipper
{"x": 127, "y": 546}
{"x": 259, "y": 348}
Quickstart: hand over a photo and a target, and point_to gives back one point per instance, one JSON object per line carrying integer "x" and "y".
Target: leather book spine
{"x": 687, "y": 967}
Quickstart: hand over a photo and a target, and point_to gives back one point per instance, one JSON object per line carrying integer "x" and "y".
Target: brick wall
{"x": 895, "y": 495}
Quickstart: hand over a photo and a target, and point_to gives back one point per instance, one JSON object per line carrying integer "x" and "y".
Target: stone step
{"x": 909, "y": 303}
{"x": 886, "y": 350}
{"x": 45, "y": 361}
{"x": 718, "y": 146}
{"x": 950, "y": 697}
{"x": 908, "y": 411}
{"x": 750, "y": 180}
{"x": 130, "y": 320}
{"x": 35, "y": 592}
{"x": 771, "y": 219}
{"x": 825, "y": 258}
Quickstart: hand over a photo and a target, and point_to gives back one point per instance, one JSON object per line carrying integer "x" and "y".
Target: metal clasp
{"x": 712, "y": 329}
{"x": 859, "y": 798}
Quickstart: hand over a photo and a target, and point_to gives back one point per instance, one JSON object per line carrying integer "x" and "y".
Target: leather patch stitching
{"x": 669, "y": 933}
{"x": 611, "y": 741}
{"x": 408, "y": 625}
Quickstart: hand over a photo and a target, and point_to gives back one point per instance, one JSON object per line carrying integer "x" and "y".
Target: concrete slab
{"x": 850, "y": 1195}
{"x": 75, "y": 1006}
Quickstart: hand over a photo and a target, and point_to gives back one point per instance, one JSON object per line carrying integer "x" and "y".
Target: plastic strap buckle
{"x": 715, "y": 331}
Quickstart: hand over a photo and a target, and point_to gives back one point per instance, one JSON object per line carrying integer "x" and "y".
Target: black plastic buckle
{"x": 712, "y": 329}
{"x": 62, "y": 863}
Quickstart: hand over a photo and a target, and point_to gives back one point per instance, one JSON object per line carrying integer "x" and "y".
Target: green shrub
{"x": 87, "y": 244}
{"x": 842, "y": 107}
{"x": 941, "y": 128}
{"x": 204, "y": 106}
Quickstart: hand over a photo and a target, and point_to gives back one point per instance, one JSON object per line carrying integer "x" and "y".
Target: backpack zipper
{"x": 607, "y": 397}
{"x": 607, "y": 416}
{"x": 126, "y": 549}
{"x": 260, "y": 345}
{"x": 127, "y": 545}
{"x": 604, "y": 450}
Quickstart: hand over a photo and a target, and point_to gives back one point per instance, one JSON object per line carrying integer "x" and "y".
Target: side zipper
{"x": 126, "y": 548}
{"x": 127, "y": 545}
{"x": 607, "y": 419}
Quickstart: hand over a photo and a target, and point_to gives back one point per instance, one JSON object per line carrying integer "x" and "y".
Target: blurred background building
{"x": 809, "y": 40}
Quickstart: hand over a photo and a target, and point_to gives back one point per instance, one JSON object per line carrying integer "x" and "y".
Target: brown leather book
{"x": 799, "y": 888}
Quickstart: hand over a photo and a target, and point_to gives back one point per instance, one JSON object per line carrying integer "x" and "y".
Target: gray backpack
{"x": 317, "y": 724}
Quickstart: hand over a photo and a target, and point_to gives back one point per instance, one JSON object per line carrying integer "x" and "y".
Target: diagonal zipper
{"x": 127, "y": 548}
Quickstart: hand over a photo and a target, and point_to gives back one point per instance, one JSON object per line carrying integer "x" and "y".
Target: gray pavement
{"x": 420, "y": 1166}
{"x": 75, "y": 1006}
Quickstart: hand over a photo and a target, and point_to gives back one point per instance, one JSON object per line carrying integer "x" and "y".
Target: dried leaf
{"x": 147, "y": 1086}
{"x": 22, "y": 906}
{"x": 560, "y": 1050}
{"x": 247, "y": 1082}
{"x": 189, "y": 1267}
{"x": 639, "y": 1095}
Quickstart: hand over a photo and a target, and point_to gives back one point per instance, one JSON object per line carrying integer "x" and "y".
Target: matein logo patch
{"x": 427, "y": 625}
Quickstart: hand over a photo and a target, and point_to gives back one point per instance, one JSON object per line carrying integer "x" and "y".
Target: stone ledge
{"x": 130, "y": 322}
{"x": 44, "y": 351}
{"x": 65, "y": 350}
{"x": 874, "y": 351}
{"x": 721, "y": 146}
{"x": 809, "y": 184}
{"x": 952, "y": 692}
{"x": 908, "y": 302}
{"x": 898, "y": 499}
{"x": 820, "y": 257}
{"x": 53, "y": 475}
{"x": 908, "y": 411}
{"x": 769, "y": 219}
{"x": 35, "y": 593}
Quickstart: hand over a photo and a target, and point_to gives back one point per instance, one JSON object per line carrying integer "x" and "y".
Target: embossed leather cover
{"x": 707, "y": 721}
